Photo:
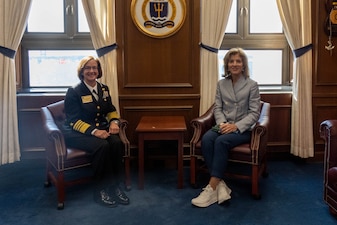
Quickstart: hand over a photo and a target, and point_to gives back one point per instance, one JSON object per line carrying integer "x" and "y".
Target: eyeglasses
{"x": 90, "y": 67}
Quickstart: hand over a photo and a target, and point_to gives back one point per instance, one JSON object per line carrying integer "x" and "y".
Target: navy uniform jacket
{"x": 239, "y": 104}
{"x": 84, "y": 113}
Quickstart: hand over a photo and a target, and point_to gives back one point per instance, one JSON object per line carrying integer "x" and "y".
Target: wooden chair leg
{"x": 255, "y": 182}
{"x": 333, "y": 211}
{"x": 60, "y": 185}
{"x": 193, "y": 175}
{"x": 127, "y": 173}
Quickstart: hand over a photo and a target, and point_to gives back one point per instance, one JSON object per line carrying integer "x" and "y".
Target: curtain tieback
{"x": 7, "y": 52}
{"x": 301, "y": 51}
{"x": 209, "y": 48}
{"x": 104, "y": 50}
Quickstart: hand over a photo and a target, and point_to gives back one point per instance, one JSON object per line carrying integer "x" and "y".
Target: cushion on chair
{"x": 241, "y": 153}
{"x": 73, "y": 153}
{"x": 77, "y": 157}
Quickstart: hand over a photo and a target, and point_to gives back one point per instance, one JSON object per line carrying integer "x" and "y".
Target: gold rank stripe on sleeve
{"x": 112, "y": 115}
{"x": 81, "y": 126}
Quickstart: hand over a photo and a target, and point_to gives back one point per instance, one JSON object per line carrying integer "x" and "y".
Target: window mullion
{"x": 245, "y": 18}
{"x": 70, "y": 13}
{"x": 75, "y": 17}
{"x": 242, "y": 12}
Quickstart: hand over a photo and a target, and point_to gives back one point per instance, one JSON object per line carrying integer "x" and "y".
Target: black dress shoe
{"x": 120, "y": 196}
{"x": 102, "y": 197}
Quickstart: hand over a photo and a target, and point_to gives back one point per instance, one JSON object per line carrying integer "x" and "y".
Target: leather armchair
{"x": 328, "y": 132}
{"x": 61, "y": 159}
{"x": 253, "y": 153}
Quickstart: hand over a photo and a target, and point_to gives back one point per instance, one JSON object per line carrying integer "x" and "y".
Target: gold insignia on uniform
{"x": 105, "y": 94}
{"x": 86, "y": 99}
{"x": 81, "y": 126}
{"x": 112, "y": 115}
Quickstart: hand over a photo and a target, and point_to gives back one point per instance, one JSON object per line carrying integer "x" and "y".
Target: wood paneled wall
{"x": 324, "y": 88}
{"x": 280, "y": 123}
{"x": 158, "y": 76}
{"x": 31, "y": 133}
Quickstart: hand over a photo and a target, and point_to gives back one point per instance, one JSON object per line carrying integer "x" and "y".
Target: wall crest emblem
{"x": 158, "y": 18}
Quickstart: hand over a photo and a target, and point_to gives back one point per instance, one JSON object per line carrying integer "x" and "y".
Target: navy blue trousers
{"x": 107, "y": 155}
{"x": 215, "y": 148}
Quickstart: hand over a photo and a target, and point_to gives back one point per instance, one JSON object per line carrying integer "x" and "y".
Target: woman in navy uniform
{"x": 92, "y": 124}
{"x": 237, "y": 109}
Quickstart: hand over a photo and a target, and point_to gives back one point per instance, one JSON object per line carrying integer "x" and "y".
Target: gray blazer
{"x": 239, "y": 104}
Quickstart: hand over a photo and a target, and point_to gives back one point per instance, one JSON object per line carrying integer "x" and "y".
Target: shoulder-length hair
{"x": 242, "y": 54}
{"x": 83, "y": 62}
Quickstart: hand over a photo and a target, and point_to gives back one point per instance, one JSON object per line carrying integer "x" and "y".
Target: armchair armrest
{"x": 122, "y": 134}
{"x": 258, "y": 142}
{"x": 54, "y": 135}
{"x": 328, "y": 132}
{"x": 200, "y": 125}
{"x": 328, "y": 128}
{"x": 259, "y": 139}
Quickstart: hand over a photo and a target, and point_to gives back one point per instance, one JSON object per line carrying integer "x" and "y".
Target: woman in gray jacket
{"x": 237, "y": 109}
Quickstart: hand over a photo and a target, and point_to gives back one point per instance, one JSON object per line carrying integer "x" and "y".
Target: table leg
{"x": 140, "y": 161}
{"x": 180, "y": 160}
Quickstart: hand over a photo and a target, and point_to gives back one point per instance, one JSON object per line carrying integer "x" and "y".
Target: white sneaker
{"x": 206, "y": 198}
{"x": 223, "y": 192}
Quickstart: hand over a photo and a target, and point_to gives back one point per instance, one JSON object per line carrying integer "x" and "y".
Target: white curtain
{"x": 214, "y": 18}
{"x": 100, "y": 15}
{"x": 14, "y": 15}
{"x": 296, "y": 20}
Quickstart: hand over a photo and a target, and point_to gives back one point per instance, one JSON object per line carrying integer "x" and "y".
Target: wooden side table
{"x": 160, "y": 128}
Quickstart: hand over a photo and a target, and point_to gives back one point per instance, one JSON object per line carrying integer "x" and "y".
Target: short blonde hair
{"x": 83, "y": 62}
{"x": 242, "y": 54}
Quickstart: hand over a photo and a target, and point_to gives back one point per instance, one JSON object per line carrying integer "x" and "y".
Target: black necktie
{"x": 95, "y": 94}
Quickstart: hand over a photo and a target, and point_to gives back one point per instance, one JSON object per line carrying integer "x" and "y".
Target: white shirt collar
{"x": 91, "y": 88}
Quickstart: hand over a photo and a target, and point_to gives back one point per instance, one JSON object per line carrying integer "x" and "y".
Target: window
{"x": 255, "y": 26}
{"x": 51, "y": 50}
